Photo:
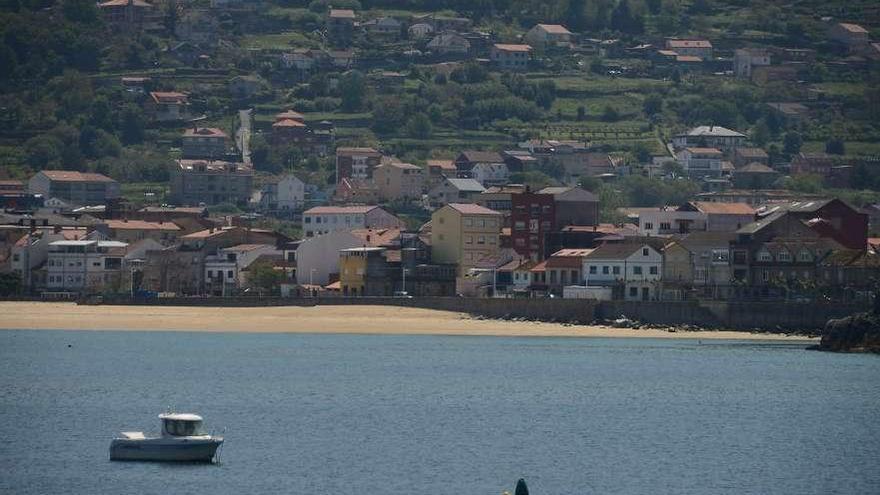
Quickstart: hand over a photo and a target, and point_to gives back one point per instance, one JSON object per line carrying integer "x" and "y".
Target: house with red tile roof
{"x": 168, "y": 106}
{"x": 510, "y": 56}
{"x": 549, "y": 35}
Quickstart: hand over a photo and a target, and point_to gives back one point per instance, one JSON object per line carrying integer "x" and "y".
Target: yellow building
{"x": 464, "y": 234}
{"x": 363, "y": 271}
{"x": 397, "y": 180}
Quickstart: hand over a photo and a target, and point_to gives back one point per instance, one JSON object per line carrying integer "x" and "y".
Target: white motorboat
{"x": 182, "y": 439}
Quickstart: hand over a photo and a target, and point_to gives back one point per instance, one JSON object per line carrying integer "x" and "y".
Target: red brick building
{"x": 532, "y": 217}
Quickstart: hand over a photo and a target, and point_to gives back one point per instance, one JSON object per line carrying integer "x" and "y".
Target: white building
{"x": 325, "y": 219}
{"x": 744, "y": 59}
{"x": 224, "y": 271}
{"x": 634, "y": 267}
{"x": 710, "y": 136}
{"x": 701, "y": 162}
{"x": 288, "y": 194}
{"x": 669, "y": 220}
{"x": 491, "y": 174}
{"x": 317, "y": 258}
{"x": 85, "y": 266}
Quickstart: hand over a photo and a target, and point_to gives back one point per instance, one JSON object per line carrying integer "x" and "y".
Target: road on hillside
{"x": 243, "y": 135}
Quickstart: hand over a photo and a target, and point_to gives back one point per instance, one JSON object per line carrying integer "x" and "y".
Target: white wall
{"x": 321, "y": 254}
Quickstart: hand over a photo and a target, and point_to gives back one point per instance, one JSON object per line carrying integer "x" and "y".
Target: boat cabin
{"x": 181, "y": 425}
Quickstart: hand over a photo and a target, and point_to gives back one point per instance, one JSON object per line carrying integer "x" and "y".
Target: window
{"x": 468, "y": 239}
{"x": 519, "y": 225}
{"x": 592, "y": 269}
{"x": 481, "y": 240}
{"x": 804, "y": 256}
{"x": 615, "y": 270}
{"x": 317, "y": 219}
{"x": 765, "y": 275}
{"x": 784, "y": 256}
{"x": 652, "y": 270}
{"x": 605, "y": 270}
{"x": 468, "y": 222}
{"x": 637, "y": 270}
{"x": 765, "y": 255}
{"x": 481, "y": 222}
{"x": 649, "y": 226}
{"x": 665, "y": 226}
{"x": 15, "y": 257}
{"x": 633, "y": 292}
{"x": 229, "y": 274}
{"x": 644, "y": 251}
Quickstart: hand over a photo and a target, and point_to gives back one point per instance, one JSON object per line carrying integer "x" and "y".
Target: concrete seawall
{"x": 710, "y": 314}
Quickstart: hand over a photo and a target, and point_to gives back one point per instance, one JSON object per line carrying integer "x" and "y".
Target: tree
{"x": 623, "y": 19}
{"x": 419, "y": 126}
{"x": 132, "y": 124}
{"x": 265, "y": 276}
{"x": 43, "y": 151}
{"x": 761, "y": 134}
{"x": 791, "y": 142}
{"x": 353, "y": 90}
{"x": 84, "y": 11}
{"x": 581, "y": 113}
{"x": 609, "y": 114}
{"x": 835, "y": 146}
{"x": 521, "y": 488}
{"x": 259, "y": 149}
{"x": 652, "y": 105}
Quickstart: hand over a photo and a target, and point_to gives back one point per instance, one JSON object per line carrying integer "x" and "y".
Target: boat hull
{"x": 162, "y": 450}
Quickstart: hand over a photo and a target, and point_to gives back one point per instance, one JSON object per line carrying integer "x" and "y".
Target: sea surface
{"x": 362, "y": 414}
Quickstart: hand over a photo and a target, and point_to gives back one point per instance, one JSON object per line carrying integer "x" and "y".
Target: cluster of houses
{"x": 503, "y": 240}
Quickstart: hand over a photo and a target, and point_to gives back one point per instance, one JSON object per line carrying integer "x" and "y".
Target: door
{"x": 646, "y": 292}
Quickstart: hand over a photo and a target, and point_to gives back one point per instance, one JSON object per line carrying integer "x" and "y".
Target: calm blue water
{"x": 344, "y": 414}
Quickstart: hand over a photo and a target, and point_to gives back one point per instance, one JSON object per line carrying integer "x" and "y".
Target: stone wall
{"x": 723, "y": 315}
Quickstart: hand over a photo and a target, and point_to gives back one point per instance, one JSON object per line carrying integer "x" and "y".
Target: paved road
{"x": 243, "y": 135}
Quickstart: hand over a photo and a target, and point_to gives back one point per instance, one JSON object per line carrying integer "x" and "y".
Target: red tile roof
{"x": 512, "y": 48}
{"x": 724, "y": 208}
{"x": 689, "y": 44}
{"x": 290, "y": 114}
{"x": 288, "y": 123}
{"x": 554, "y": 28}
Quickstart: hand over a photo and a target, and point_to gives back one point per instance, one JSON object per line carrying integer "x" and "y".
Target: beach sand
{"x": 317, "y": 319}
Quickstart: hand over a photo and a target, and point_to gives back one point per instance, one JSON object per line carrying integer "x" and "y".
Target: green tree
{"x": 581, "y": 113}
{"x": 132, "y": 124}
{"x": 792, "y": 142}
{"x": 265, "y": 276}
{"x": 609, "y": 114}
{"x": 521, "y": 488}
{"x": 761, "y": 134}
{"x": 43, "y": 151}
{"x": 10, "y": 284}
{"x": 653, "y": 105}
{"x": 419, "y": 126}
{"x": 83, "y": 11}
{"x": 353, "y": 90}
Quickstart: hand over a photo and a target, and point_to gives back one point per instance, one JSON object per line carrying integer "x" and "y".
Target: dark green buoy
{"x": 521, "y": 488}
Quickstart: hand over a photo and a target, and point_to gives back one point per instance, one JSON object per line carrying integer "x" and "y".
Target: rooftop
{"x": 704, "y": 151}
{"x": 357, "y": 151}
{"x": 852, "y": 28}
{"x": 757, "y": 168}
{"x": 712, "y": 131}
{"x": 506, "y": 47}
{"x": 342, "y": 13}
{"x": 467, "y": 185}
{"x": 472, "y": 209}
{"x": 554, "y": 28}
{"x": 689, "y": 44}
{"x": 482, "y": 156}
{"x": 213, "y": 166}
{"x": 204, "y": 132}
{"x": 616, "y": 250}
{"x": 169, "y": 97}
{"x": 71, "y": 176}
{"x": 288, "y": 123}
{"x": 140, "y": 225}
{"x": 334, "y": 210}
{"x": 724, "y": 208}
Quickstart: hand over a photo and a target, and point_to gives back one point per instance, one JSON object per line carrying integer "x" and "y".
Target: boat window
{"x": 181, "y": 428}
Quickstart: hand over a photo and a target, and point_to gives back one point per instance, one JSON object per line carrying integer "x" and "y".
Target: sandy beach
{"x": 318, "y": 319}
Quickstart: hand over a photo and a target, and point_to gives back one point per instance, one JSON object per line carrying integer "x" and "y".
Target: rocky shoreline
{"x": 628, "y": 323}
{"x": 857, "y": 333}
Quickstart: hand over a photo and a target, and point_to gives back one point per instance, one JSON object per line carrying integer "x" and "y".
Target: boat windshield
{"x": 180, "y": 428}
